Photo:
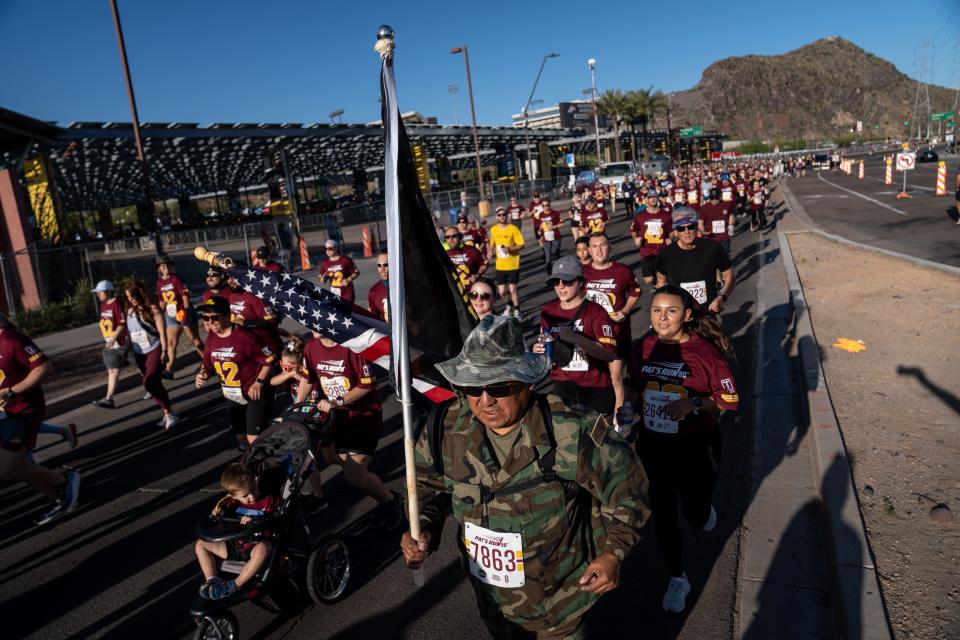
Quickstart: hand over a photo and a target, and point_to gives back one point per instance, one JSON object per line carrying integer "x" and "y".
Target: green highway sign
{"x": 944, "y": 115}
{"x": 690, "y": 131}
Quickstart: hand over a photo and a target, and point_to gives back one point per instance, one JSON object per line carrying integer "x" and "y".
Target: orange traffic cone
{"x": 888, "y": 178}
{"x": 941, "y": 179}
{"x": 860, "y": 172}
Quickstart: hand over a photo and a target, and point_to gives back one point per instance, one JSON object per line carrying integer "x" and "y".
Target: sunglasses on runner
{"x": 480, "y": 295}
{"x": 452, "y": 237}
{"x": 501, "y": 390}
{"x": 382, "y": 265}
{"x": 211, "y": 318}
{"x": 567, "y": 283}
{"x": 686, "y": 227}
{"x": 214, "y": 274}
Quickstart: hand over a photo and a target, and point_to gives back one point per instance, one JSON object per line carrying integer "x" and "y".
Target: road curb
{"x": 803, "y": 217}
{"x": 857, "y": 601}
{"x": 129, "y": 379}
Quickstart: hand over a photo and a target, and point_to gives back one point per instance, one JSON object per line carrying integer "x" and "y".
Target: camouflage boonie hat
{"x": 494, "y": 352}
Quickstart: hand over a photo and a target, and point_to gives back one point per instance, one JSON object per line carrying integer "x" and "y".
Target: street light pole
{"x": 526, "y": 108}
{"x": 473, "y": 117}
{"x": 135, "y": 121}
{"x": 592, "y": 63}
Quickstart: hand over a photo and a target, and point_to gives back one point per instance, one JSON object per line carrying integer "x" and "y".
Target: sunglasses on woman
{"x": 211, "y": 318}
{"x": 480, "y": 295}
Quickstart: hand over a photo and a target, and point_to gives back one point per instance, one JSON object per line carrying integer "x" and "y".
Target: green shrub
{"x": 77, "y": 309}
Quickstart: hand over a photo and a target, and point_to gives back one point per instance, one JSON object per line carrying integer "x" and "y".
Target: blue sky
{"x": 295, "y": 61}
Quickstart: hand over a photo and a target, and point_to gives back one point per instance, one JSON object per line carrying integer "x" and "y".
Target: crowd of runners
{"x": 677, "y": 375}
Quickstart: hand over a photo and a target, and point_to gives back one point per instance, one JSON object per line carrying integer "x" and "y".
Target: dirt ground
{"x": 898, "y": 404}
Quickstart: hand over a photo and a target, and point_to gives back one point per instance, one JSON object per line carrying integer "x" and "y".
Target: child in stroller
{"x": 245, "y": 500}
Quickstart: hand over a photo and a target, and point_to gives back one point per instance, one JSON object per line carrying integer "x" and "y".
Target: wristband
{"x": 259, "y": 381}
{"x": 10, "y": 393}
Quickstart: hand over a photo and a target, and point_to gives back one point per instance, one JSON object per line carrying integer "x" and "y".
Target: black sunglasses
{"x": 500, "y": 390}
{"x": 480, "y": 295}
{"x": 686, "y": 227}
{"x": 211, "y": 318}
{"x": 453, "y": 237}
{"x": 382, "y": 265}
{"x": 566, "y": 283}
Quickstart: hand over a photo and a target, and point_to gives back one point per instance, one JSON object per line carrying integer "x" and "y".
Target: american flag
{"x": 331, "y": 316}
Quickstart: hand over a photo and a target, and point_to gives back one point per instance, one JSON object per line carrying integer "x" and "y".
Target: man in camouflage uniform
{"x": 548, "y": 503}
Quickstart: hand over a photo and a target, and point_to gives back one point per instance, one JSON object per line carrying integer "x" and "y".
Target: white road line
{"x": 860, "y": 195}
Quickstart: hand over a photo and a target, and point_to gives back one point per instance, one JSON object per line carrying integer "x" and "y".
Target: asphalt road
{"x": 867, "y": 210}
{"x": 122, "y": 565}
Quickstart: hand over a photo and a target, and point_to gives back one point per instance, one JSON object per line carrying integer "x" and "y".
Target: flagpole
{"x": 398, "y": 308}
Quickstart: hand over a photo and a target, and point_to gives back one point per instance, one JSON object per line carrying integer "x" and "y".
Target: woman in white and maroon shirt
{"x": 682, "y": 373}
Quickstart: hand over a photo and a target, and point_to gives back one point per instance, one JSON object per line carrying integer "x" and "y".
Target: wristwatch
{"x": 697, "y": 405}
{"x": 259, "y": 381}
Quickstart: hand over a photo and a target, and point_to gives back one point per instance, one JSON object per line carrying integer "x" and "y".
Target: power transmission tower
{"x": 921, "y": 100}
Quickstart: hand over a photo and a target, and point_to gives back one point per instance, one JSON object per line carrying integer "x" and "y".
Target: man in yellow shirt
{"x": 506, "y": 242}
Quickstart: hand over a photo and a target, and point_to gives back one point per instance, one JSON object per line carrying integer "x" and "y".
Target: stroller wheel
{"x": 328, "y": 571}
{"x": 222, "y": 625}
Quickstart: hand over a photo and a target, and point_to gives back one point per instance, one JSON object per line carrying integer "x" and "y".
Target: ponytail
{"x": 706, "y": 324}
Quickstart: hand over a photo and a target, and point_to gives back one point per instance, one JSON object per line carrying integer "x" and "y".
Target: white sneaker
{"x": 148, "y": 396}
{"x": 170, "y": 420}
{"x": 516, "y": 313}
{"x": 711, "y": 521}
{"x": 675, "y": 599}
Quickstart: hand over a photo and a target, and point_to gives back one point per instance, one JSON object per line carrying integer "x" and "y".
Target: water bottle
{"x": 624, "y": 420}
{"x": 546, "y": 339}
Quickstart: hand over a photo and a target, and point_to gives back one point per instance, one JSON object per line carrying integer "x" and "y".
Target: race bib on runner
{"x": 696, "y": 289}
{"x": 502, "y": 251}
{"x": 495, "y": 558}
{"x": 335, "y": 290}
{"x": 578, "y": 361}
{"x": 758, "y": 199}
{"x": 233, "y": 394}
{"x": 655, "y": 417}
{"x": 718, "y": 226}
{"x": 172, "y": 310}
{"x": 141, "y": 339}
{"x": 600, "y": 298}
{"x": 727, "y": 195}
{"x": 335, "y": 388}
{"x": 549, "y": 236}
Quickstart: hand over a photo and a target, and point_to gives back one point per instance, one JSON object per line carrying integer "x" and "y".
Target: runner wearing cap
{"x": 175, "y": 301}
{"x": 261, "y": 260}
{"x": 692, "y": 263}
{"x": 468, "y": 235}
{"x": 506, "y": 242}
{"x": 717, "y": 220}
{"x": 113, "y": 330}
{"x": 584, "y": 345}
{"x": 338, "y": 271}
{"x": 650, "y": 231}
{"x": 378, "y": 298}
{"x": 23, "y": 368}
{"x": 553, "y": 509}
{"x": 216, "y": 283}
{"x": 243, "y": 363}
{"x": 548, "y": 225}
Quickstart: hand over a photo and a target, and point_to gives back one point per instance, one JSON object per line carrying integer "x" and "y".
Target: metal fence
{"x": 59, "y": 269}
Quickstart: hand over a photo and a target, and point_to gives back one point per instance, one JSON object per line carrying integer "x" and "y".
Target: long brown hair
{"x": 142, "y": 298}
{"x": 703, "y": 322}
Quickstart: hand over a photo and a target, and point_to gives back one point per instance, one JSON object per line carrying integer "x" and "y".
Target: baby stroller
{"x": 280, "y": 458}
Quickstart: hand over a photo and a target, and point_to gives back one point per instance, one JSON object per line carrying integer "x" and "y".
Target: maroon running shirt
{"x": 467, "y": 259}
{"x": 18, "y": 357}
{"x": 715, "y": 220}
{"x": 112, "y": 320}
{"x": 594, "y": 221}
{"x": 336, "y": 271}
{"x": 654, "y": 229}
{"x": 594, "y": 324}
{"x": 170, "y": 292}
{"x": 665, "y": 372}
{"x": 336, "y": 370}
{"x": 236, "y": 360}
{"x": 378, "y": 301}
{"x": 547, "y": 225}
{"x": 246, "y": 306}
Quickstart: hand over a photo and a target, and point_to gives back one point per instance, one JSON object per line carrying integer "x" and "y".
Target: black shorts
{"x": 599, "y": 399}
{"x": 508, "y": 277}
{"x": 648, "y": 266}
{"x": 356, "y": 436}
{"x": 115, "y": 358}
{"x": 253, "y": 417}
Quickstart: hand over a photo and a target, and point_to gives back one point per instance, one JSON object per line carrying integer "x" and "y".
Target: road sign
{"x": 906, "y": 161}
{"x": 571, "y": 162}
{"x": 943, "y": 115}
{"x": 686, "y": 132}
{"x": 948, "y": 138}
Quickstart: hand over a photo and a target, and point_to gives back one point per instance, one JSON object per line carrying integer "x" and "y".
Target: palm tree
{"x": 616, "y": 104}
{"x": 647, "y": 105}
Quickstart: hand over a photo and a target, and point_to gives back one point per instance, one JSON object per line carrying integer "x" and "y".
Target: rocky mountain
{"x": 817, "y": 91}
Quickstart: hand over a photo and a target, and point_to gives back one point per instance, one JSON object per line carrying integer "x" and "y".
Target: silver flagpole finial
{"x": 384, "y": 32}
{"x": 385, "y": 44}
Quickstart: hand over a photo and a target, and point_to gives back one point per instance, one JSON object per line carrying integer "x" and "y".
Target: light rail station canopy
{"x": 95, "y": 165}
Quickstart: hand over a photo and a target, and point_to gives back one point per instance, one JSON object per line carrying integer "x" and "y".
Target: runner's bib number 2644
{"x": 495, "y": 558}
{"x": 655, "y": 417}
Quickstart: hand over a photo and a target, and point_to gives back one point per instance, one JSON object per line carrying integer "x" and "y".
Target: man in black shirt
{"x": 693, "y": 263}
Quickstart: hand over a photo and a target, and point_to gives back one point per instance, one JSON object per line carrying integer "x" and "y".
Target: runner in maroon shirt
{"x": 378, "y": 299}
{"x": 681, "y": 371}
{"x": 348, "y": 391}
{"x": 515, "y": 209}
{"x": 338, "y": 271}
{"x": 717, "y": 220}
{"x": 593, "y": 219}
{"x": 243, "y": 363}
{"x": 216, "y": 283}
{"x": 112, "y": 328}
{"x": 469, "y": 262}
{"x": 174, "y": 301}
{"x": 479, "y": 234}
{"x": 651, "y": 232}
{"x": 23, "y": 368}
{"x": 261, "y": 260}
{"x": 585, "y": 329}
{"x": 252, "y": 313}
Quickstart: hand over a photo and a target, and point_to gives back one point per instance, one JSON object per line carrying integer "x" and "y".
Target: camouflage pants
{"x": 502, "y": 629}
